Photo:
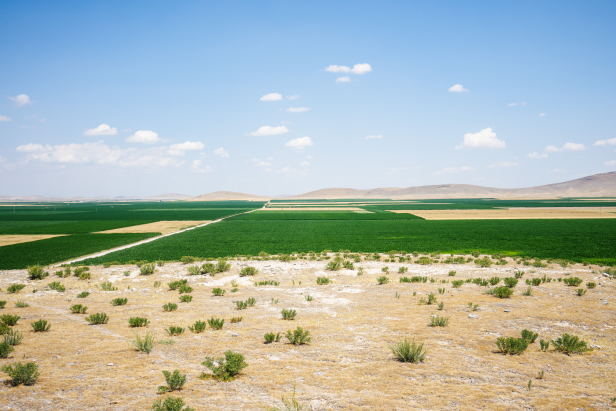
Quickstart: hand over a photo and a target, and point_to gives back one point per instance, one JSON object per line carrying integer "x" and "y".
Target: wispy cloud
{"x": 373, "y": 136}
{"x": 566, "y": 147}
{"x": 343, "y": 79}
{"x": 271, "y": 97}
{"x": 221, "y": 152}
{"x": 299, "y": 143}
{"x": 102, "y": 130}
{"x": 269, "y": 131}
{"x": 21, "y": 100}
{"x": 454, "y": 170}
{"x": 297, "y": 109}
{"x": 357, "y": 69}
{"x": 196, "y": 167}
{"x": 5, "y": 118}
{"x": 536, "y": 155}
{"x": 261, "y": 163}
{"x": 610, "y": 163}
{"x": 541, "y": 114}
{"x": 457, "y": 88}
{"x": 144, "y": 136}
{"x": 187, "y": 146}
{"x": 293, "y": 97}
{"x": 516, "y": 104}
{"x": 485, "y": 138}
{"x": 305, "y": 164}
{"x": 609, "y": 142}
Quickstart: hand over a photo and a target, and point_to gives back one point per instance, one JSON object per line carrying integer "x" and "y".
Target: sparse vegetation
{"x": 248, "y": 271}
{"x": 98, "y": 318}
{"x": 218, "y": 292}
{"x": 174, "y": 331}
{"x": 216, "y": 323}
{"x": 271, "y": 337}
{"x": 10, "y": 320}
{"x": 511, "y": 345}
{"x": 175, "y": 381}
{"x": 170, "y": 404}
{"x": 197, "y": 327}
{"x": 408, "y": 351}
{"x": 323, "y": 281}
{"x": 225, "y": 368}
{"x": 20, "y": 373}
{"x": 40, "y": 326}
{"x": 145, "y": 344}
{"x": 288, "y": 314}
{"x": 529, "y": 336}
{"x": 570, "y": 344}
{"x": 170, "y": 307}
{"x": 502, "y": 292}
{"x": 299, "y": 336}
{"x": 15, "y": 288}
{"x": 138, "y": 322}
{"x": 383, "y": 280}
{"x": 437, "y": 321}
{"x": 119, "y": 301}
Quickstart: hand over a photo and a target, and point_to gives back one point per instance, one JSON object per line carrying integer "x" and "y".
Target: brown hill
{"x": 228, "y": 195}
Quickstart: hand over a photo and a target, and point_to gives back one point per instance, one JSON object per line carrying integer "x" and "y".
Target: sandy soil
{"x": 515, "y": 213}
{"x": 348, "y": 364}
{"x": 9, "y": 239}
{"x": 163, "y": 227}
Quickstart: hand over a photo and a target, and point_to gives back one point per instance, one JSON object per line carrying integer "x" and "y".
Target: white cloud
{"x": 610, "y": 142}
{"x": 373, "y": 136}
{"x": 299, "y": 143}
{"x": 286, "y": 170}
{"x": 187, "y": 146}
{"x": 176, "y": 153}
{"x": 271, "y": 97}
{"x": 610, "y": 163}
{"x": 144, "y": 136}
{"x": 454, "y": 170}
{"x": 516, "y": 104}
{"x": 269, "y": 131}
{"x": 221, "y": 152}
{"x": 504, "y": 164}
{"x": 457, "y": 88}
{"x": 309, "y": 157}
{"x": 397, "y": 170}
{"x": 21, "y": 100}
{"x": 558, "y": 170}
{"x": 197, "y": 168}
{"x": 357, "y": 69}
{"x": 5, "y": 118}
{"x": 305, "y": 163}
{"x": 536, "y": 155}
{"x": 486, "y": 138}
{"x": 98, "y": 153}
{"x": 566, "y": 147}
{"x": 343, "y": 79}
{"x": 261, "y": 163}
{"x": 541, "y": 114}
{"x": 102, "y": 130}
{"x": 292, "y": 97}
{"x": 297, "y": 109}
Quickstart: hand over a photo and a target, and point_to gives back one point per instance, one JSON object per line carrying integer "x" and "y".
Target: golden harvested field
{"x": 10, "y": 239}
{"x": 163, "y": 227}
{"x": 347, "y": 365}
{"x": 515, "y": 213}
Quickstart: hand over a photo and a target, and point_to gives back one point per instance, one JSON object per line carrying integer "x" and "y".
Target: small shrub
{"x": 107, "y": 286}
{"x": 299, "y": 336}
{"x": 208, "y": 268}
{"x": 98, "y": 318}
{"x": 36, "y": 273}
{"x": 13, "y": 337}
{"x": 170, "y": 404}
{"x": 348, "y": 265}
{"x": 570, "y": 344}
{"x": 591, "y": 285}
{"x": 473, "y": 307}
{"x": 248, "y": 271}
{"x": 188, "y": 259}
{"x": 288, "y": 314}
{"x": 529, "y": 336}
{"x": 457, "y": 283}
{"x": 333, "y": 266}
{"x": 40, "y": 326}
{"x": 502, "y": 292}
{"x": 402, "y": 270}
{"x": 441, "y": 291}
{"x": 271, "y": 337}
{"x": 10, "y": 320}
{"x": 21, "y": 304}
{"x": 225, "y": 368}
{"x": 511, "y": 345}
{"x": 83, "y": 294}
{"x": 5, "y": 350}
{"x": 186, "y": 298}
{"x": 2, "y": 304}
{"x": 528, "y": 292}
{"x": 22, "y": 373}
{"x": 483, "y": 262}
{"x": 15, "y": 288}
{"x": 323, "y": 281}
{"x": 424, "y": 261}
{"x": 452, "y": 273}
{"x": 138, "y": 322}
{"x": 194, "y": 270}
{"x": 236, "y": 320}
{"x": 126, "y": 273}
{"x": 573, "y": 281}
{"x": 436, "y": 321}
{"x": 216, "y": 323}
{"x": 431, "y": 299}
{"x": 267, "y": 282}
{"x": 119, "y": 301}
{"x": 145, "y": 344}
{"x": 173, "y": 331}
{"x": 383, "y": 279}
{"x": 175, "y": 381}
{"x": 494, "y": 280}
{"x": 407, "y": 351}
{"x": 544, "y": 345}
{"x": 580, "y": 292}
{"x": 222, "y": 266}
{"x": 174, "y": 285}
{"x": 309, "y": 297}
{"x": 218, "y": 292}
{"x": 4, "y": 328}
{"x": 170, "y": 307}
{"x": 511, "y": 282}
{"x": 185, "y": 289}
{"x": 197, "y": 327}
{"x": 156, "y": 284}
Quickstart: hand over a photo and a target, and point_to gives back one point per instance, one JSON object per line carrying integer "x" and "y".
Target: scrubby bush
{"x": 98, "y": 318}
{"x": 185, "y": 289}
{"x": 436, "y": 321}
{"x": 22, "y": 373}
{"x": 288, "y": 314}
{"x": 138, "y": 322}
{"x": 236, "y": 320}
{"x": 299, "y": 336}
{"x": 83, "y": 294}
{"x": 502, "y": 292}
{"x": 383, "y": 280}
{"x": 218, "y": 292}
{"x": 271, "y": 337}
{"x": 483, "y": 262}
{"x": 222, "y": 265}
{"x": 528, "y": 292}
{"x": 216, "y": 323}
{"x": 570, "y": 344}
{"x": 333, "y": 266}
{"x": 198, "y": 327}
{"x": 529, "y": 336}
{"x": 225, "y": 368}
{"x": 5, "y": 350}
{"x": 147, "y": 269}
{"x": 170, "y": 307}
{"x": 173, "y": 331}
{"x": 511, "y": 345}
{"x": 580, "y": 292}
{"x": 457, "y": 283}
{"x": 408, "y": 351}
{"x": 119, "y": 301}
{"x": 323, "y": 281}
{"x": 79, "y": 309}
{"x": 186, "y": 298}
{"x": 15, "y": 288}
{"x": 37, "y": 273}
{"x": 248, "y": 271}
{"x": 21, "y": 304}
{"x": 544, "y": 345}
{"x": 175, "y": 381}
{"x": 452, "y": 273}
{"x": 511, "y": 282}
{"x": 40, "y": 326}
{"x": 494, "y": 280}
{"x": 170, "y": 404}
{"x": 145, "y": 344}
{"x": 9, "y": 320}
{"x": 591, "y": 285}
{"x": 194, "y": 270}
{"x": 174, "y": 285}
{"x": 573, "y": 281}
{"x": 188, "y": 259}
{"x": 108, "y": 286}
{"x": 348, "y": 265}
{"x": 266, "y": 282}
{"x": 13, "y": 337}
{"x": 2, "y": 304}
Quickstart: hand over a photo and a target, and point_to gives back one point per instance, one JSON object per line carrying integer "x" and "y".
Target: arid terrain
{"x": 348, "y": 364}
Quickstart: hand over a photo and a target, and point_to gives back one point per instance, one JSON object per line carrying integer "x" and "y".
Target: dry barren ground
{"x": 163, "y": 227}
{"x": 10, "y": 239}
{"x": 515, "y": 213}
{"x": 348, "y": 364}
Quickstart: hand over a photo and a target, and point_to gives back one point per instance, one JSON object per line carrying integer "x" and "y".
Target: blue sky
{"x": 142, "y": 98}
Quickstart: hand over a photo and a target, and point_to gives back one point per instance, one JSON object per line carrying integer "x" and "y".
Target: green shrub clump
{"x": 570, "y": 344}
{"x": 9, "y": 320}
{"x": 98, "y": 318}
{"x": 248, "y": 271}
{"x": 145, "y": 344}
{"x": 173, "y": 331}
{"x": 198, "y": 327}
{"x": 175, "y": 381}
{"x": 83, "y": 294}
{"x": 511, "y": 345}
{"x": 383, "y": 280}
{"x": 511, "y": 282}
{"x": 218, "y": 292}
{"x": 138, "y": 322}
{"x": 323, "y": 281}
{"x": 216, "y": 323}
{"x": 225, "y": 368}
{"x": 529, "y": 336}
{"x": 502, "y": 292}
{"x": 119, "y": 301}
{"x": 299, "y": 336}
{"x": 271, "y": 337}
{"x": 573, "y": 281}
{"x": 22, "y": 373}
{"x": 15, "y": 288}
{"x": 40, "y": 326}
{"x": 288, "y": 314}
{"x": 436, "y": 321}
{"x": 407, "y": 351}
{"x": 37, "y": 273}
{"x": 174, "y": 285}
{"x": 147, "y": 269}
{"x": 170, "y": 404}
{"x": 170, "y": 307}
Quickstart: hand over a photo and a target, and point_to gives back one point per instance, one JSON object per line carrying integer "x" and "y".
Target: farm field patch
{"x": 162, "y": 227}
{"x": 18, "y": 239}
{"x": 346, "y": 365}
{"x": 515, "y": 213}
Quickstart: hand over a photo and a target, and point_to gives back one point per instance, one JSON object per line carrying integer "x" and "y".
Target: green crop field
{"x": 324, "y": 215}
{"x": 576, "y": 240}
{"x": 58, "y": 249}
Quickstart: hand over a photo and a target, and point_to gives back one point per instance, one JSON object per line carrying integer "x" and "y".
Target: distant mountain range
{"x": 597, "y": 185}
